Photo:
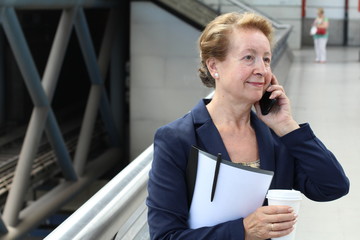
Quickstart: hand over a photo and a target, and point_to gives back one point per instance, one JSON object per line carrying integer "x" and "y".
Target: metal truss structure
{"x": 16, "y": 219}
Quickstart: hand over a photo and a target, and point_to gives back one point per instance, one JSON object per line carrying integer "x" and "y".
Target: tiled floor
{"x": 327, "y": 96}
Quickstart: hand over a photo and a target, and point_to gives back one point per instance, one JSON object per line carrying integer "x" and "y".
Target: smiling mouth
{"x": 257, "y": 84}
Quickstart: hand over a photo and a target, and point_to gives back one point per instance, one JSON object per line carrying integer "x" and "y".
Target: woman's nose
{"x": 260, "y": 68}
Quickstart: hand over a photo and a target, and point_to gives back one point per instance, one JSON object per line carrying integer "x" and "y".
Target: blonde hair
{"x": 321, "y": 11}
{"x": 214, "y": 40}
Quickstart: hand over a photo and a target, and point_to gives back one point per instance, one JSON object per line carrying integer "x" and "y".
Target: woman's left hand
{"x": 279, "y": 118}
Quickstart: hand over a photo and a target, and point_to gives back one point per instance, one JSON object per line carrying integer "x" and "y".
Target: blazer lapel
{"x": 208, "y": 137}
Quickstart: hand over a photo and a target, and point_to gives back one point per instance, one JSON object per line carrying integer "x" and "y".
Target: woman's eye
{"x": 248, "y": 57}
{"x": 267, "y": 60}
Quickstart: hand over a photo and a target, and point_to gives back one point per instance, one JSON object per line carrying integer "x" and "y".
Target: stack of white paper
{"x": 240, "y": 191}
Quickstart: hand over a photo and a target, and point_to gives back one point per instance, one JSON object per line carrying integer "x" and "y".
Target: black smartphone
{"x": 266, "y": 103}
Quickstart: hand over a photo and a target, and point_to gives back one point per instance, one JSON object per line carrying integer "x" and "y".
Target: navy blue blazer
{"x": 299, "y": 160}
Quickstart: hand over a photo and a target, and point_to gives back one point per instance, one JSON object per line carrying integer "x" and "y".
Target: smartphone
{"x": 266, "y": 103}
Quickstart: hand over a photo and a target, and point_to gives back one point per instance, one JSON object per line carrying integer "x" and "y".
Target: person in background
{"x": 236, "y": 53}
{"x": 321, "y": 36}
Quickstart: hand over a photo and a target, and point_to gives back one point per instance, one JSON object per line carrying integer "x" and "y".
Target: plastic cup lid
{"x": 284, "y": 194}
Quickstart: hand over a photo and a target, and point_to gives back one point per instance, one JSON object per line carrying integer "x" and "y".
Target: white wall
{"x": 334, "y": 9}
{"x": 164, "y": 84}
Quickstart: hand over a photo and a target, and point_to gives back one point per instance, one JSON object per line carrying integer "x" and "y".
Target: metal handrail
{"x": 99, "y": 217}
{"x": 282, "y": 30}
{"x": 245, "y": 7}
{"x": 281, "y": 34}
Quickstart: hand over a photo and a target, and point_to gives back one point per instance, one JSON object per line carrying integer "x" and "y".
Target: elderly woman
{"x": 235, "y": 51}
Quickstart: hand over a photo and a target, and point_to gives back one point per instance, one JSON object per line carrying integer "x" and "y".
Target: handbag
{"x": 321, "y": 31}
{"x": 313, "y": 30}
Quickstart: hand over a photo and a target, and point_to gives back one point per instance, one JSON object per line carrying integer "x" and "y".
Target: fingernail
{"x": 291, "y": 209}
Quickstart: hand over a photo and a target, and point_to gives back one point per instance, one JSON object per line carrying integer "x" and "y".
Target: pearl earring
{"x": 216, "y": 75}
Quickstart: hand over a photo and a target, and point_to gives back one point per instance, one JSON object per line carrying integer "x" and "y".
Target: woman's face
{"x": 245, "y": 73}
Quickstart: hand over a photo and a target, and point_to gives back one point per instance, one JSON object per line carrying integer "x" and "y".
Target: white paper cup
{"x": 291, "y": 198}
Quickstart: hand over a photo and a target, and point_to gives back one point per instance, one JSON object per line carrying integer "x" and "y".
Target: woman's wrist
{"x": 286, "y": 128}
{"x": 246, "y": 229}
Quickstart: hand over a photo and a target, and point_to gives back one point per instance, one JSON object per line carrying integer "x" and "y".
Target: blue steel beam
{"x": 51, "y": 74}
{"x": 98, "y": 68}
{"x": 19, "y": 186}
{"x": 97, "y": 74}
{"x": 27, "y": 67}
{"x": 41, "y": 96}
{"x": 49, "y": 82}
{"x": 109, "y": 43}
{"x": 62, "y": 154}
{"x": 87, "y": 47}
{"x": 23, "y": 57}
{"x": 58, "y": 4}
{"x": 38, "y": 119}
{"x": 50, "y": 77}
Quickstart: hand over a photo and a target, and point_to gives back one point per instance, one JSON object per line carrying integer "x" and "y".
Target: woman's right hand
{"x": 269, "y": 222}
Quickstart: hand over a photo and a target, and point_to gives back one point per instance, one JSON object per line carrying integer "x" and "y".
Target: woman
{"x": 235, "y": 51}
{"x": 321, "y": 36}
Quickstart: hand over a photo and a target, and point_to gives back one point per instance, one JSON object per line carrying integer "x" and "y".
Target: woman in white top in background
{"x": 321, "y": 36}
